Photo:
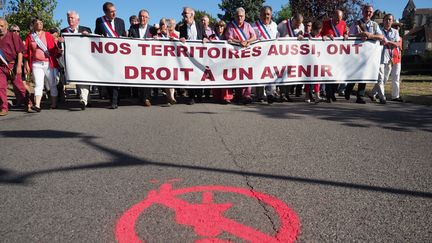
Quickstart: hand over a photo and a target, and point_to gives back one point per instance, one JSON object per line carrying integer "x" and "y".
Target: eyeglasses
{"x": 15, "y": 30}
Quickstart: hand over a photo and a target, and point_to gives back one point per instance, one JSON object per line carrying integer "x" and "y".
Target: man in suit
{"x": 75, "y": 28}
{"x": 111, "y": 26}
{"x": 142, "y": 30}
{"x": 191, "y": 30}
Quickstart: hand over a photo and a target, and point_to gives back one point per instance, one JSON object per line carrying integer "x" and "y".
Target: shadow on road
{"x": 121, "y": 159}
{"x": 398, "y": 117}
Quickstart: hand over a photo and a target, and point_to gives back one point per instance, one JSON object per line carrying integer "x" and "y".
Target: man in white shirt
{"x": 366, "y": 29}
{"x": 390, "y": 41}
{"x": 75, "y": 28}
{"x": 266, "y": 29}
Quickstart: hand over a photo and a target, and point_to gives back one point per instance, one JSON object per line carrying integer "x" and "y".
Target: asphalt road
{"x": 347, "y": 172}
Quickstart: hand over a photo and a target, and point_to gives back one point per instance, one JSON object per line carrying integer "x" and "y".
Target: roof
{"x": 427, "y": 31}
{"x": 423, "y": 11}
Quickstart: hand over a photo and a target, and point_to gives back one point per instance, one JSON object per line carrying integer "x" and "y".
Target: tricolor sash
{"x": 40, "y": 44}
{"x": 239, "y": 32}
{"x": 387, "y": 36}
{"x": 109, "y": 31}
{"x": 335, "y": 30}
{"x": 290, "y": 29}
{"x": 263, "y": 30}
{"x": 3, "y": 57}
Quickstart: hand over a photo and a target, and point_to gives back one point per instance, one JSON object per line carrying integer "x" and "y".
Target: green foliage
{"x": 321, "y": 9}
{"x": 252, "y": 8}
{"x": 21, "y": 13}
{"x": 199, "y": 14}
{"x": 282, "y": 14}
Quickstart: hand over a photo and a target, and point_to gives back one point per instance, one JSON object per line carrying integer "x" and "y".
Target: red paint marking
{"x": 207, "y": 218}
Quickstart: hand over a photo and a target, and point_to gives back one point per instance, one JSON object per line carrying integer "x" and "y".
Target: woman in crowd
{"x": 315, "y": 33}
{"x": 165, "y": 33}
{"x": 223, "y": 95}
{"x": 41, "y": 59}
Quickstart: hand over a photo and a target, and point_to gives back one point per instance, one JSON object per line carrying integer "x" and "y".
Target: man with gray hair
{"x": 266, "y": 29}
{"x": 142, "y": 30}
{"x": 191, "y": 30}
{"x": 241, "y": 32}
{"x": 366, "y": 29}
{"x": 75, "y": 28}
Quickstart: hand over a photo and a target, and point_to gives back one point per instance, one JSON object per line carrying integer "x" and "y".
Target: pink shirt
{"x": 38, "y": 54}
{"x": 246, "y": 28}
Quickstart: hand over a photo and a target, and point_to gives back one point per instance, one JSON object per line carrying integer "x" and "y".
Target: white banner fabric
{"x": 106, "y": 61}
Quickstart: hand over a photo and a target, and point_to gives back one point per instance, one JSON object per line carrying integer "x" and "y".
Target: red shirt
{"x": 397, "y": 55}
{"x": 328, "y": 28}
{"x": 11, "y": 45}
{"x": 52, "y": 49}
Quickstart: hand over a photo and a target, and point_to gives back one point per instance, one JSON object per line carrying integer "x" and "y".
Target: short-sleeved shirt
{"x": 283, "y": 29}
{"x": 390, "y": 35}
{"x": 268, "y": 30}
{"x": 330, "y": 29}
{"x": 11, "y": 45}
{"x": 246, "y": 28}
{"x": 371, "y": 27}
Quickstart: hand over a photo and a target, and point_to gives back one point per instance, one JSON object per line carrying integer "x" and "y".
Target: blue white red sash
{"x": 109, "y": 31}
{"x": 335, "y": 30}
{"x": 263, "y": 30}
{"x": 3, "y": 58}
{"x": 387, "y": 36}
{"x": 39, "y": 43}
{"x": 290, "y": 29}
{"x": 368, "y": 27}
{"x": 239, "y": 32}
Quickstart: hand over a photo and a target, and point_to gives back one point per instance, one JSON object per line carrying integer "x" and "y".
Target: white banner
{"x": 164, "y": 63}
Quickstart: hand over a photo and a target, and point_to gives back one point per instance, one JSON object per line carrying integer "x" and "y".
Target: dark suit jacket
{"x": 80, "y": 29}
{"x": 200, "y": 31}
{"x": 134, "y": 31}
{"x": 119, "y": 26}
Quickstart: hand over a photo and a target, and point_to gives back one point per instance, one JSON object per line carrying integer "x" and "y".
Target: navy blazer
{"x": 134, "y": 31}
{"x": 119, "y": 26}
{"x": 80, "y": 29}
{"x": 200, "y": 31}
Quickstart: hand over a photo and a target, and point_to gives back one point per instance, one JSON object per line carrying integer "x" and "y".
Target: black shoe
{"x": 113, "y": 106}
{"x": 347, "y": 96}
{"x": 383, "y": 101}
{"x": 372, "y": 98}
{"x": 360, "y": 101}
{"x": 333, "y": 98}
{"x": 82, "y": 105}
{"x": 37, "y": 109}
{"x": 341, "y": 94}
{"x": 397, "y": 99}
{"x": 328, "y": 100}
{"x": 270, "y": 99}
{"x": 247, "y": 100}
{"x": 191, "y": 102}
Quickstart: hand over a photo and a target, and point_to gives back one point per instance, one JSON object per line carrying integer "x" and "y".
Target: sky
{"x": 89, "y": 10}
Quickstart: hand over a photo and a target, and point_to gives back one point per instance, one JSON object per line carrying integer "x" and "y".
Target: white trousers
{"x": 395, "y": 75}
{"x": 42, "y": 70}
{"x": 384, "y": 73}
{"x": 84, "y": 93}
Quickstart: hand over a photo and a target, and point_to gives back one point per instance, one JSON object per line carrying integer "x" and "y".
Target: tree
{"x": 21, "y": 13}
{"x": 199, "y": 14}
{"x": 252, "y": 8}
{"x": 320, "y": 9}
{"x": 282, "y": 14}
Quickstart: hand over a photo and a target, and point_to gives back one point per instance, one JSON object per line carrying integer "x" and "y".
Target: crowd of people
{"x": 39, "y": 55}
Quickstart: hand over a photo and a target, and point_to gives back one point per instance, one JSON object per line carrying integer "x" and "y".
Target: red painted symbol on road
{"x": 207, "y": 218}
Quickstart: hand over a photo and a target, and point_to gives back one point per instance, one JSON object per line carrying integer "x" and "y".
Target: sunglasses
{"x": 15, "y": 30}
